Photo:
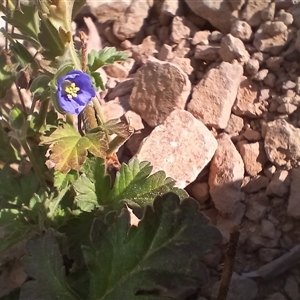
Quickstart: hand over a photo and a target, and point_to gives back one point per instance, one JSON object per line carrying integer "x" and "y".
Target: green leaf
{"x": 68, "y": 151}
{"x": 93, "y": 187}
{"x": 96, "y": 142}
{"x": 16, "y": 190}
{"x": 114, "y": 126}
{"x": 106, "y": 56}
{"x": 8, "y": 153}
{"x": 40, "y": 87}
{"x": 14, "y": 228}
{"x": 49, "y": 38}
{"x": 7, "y": 74}
{"x": 134, "y": 183}
{"x": 97, "y": 80}
{"x": 44, "y": 264}
{"x": 26, "y": 20}
{"x": 163, "y": 252}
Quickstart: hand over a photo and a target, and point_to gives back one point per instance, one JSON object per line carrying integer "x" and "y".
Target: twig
{"x": 228, "y": 263}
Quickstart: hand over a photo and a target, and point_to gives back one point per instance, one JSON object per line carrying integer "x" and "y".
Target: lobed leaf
{"x": 106, "y": 56}
{"x": 44, "y": 264}
{"x": 163, "y": 252}
{"x": 134, "y": 182}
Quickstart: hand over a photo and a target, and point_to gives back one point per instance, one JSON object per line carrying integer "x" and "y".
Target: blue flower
{"x": 74, "y": 91}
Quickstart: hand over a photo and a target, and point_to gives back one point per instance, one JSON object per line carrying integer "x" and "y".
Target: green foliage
{"x": 134, "y": 185}
{"x": 106, "y": 56}
{"x": 7, "y": 74}
{"x": 128, "y": 262}
{"x": 44, "y": 263}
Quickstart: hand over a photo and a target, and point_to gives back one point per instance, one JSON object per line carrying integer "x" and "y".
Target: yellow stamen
{"x": 71, "y": 90}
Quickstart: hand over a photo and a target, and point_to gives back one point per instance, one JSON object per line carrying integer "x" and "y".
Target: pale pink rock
{"x": 169, "y": 147}
{"x": 247, "y": 103}
{"x": 241, "y": 30}
{"x": 159, "y": 88}
{"x": 254, "y": 157}
{"x": 252, "y": 12}
{"x": 234, "y": 126}
{"x": 116, "y": 70}
{"x": 232, "y": 49}
{"x": 279, "y": 184}
{"x": 226, "y": 176}
{"x": 207, "y": 52}
{"x": 282, "y": 142}
{"x": 200, "y": 191}
{"x": 179, "y": 30}
{"x": 201, "y": 37}
{"x": 214, "y": 96}
{"x": 128, "y": 24}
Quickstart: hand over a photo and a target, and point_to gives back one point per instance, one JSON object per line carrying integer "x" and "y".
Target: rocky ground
{"x": 212, "y": 89}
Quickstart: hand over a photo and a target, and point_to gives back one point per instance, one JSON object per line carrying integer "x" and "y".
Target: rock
{"x": 252, "y": 66}
{"x": 273, "y": 45}
{"x": 267, "y": 13}
{"x": 201, "y": 37}
{"x": 233, "y": 48}
{"x": 268, "y": 229}
{"x": 159, "y": 88}
{"x": 252, "y": 135}
{"x": 285, "y": 17}
{"x": 255, "y": 184}
{"x": 274, "y": 62}
{"x": 108, "y": 10}
{"x": 237, "y": 4}
{"x": 256, "y": 206}
{"x": 116, "y": 108}
{"x": 234, "y": 125}
{"x": 291, "y": 288}
{"x": 171, "y": 8}
{"x": 225, "y": 177}
{"x": 216, "y": 36}
{"x": 279, "y": 185}
{"x": 293, "y": 209}
{"x": 254, "y": 157}
{"x": 247, "y": 101}
{"x": 200, "y": 191}
{"x": 274, "y": 28}
{"x": 241, "y": 30}
{"x": 268, "y": 255}
{"x": 215, "y": 94}
{"x": 276, "y": 296}
{"x": 169, "y": 147}
{"x": 179, "y": 31}
{"x": 294, "y": 10}
{"x": 116, "y": 70}
{"x": 135, "y": 120}
{"x": 261, "y": 75}
{"x": 165, "y": 53}
{"x": 282, "y": 142}
{"x": 218, "y": 13}
{"x": 131, "y": 21}
{"x": 137, "y": 139}
{"x": 123, "y": 88}
{"x": 150, "y": 46}
{"x": 208, "y": 53}
{"x": 241, "y": 288}
{"x": 252, "y": 12}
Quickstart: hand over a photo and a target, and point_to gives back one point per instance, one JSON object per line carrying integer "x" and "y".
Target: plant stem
{"x": 228, "y": 263}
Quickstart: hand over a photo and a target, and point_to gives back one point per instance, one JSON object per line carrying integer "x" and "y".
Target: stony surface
{"x": 159, "y": 88}
{"x": 226, "y": 176}
{"x": 215, "y": 94}
{"x": 185, "y": 160}
{"x": 212, "y": 89}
